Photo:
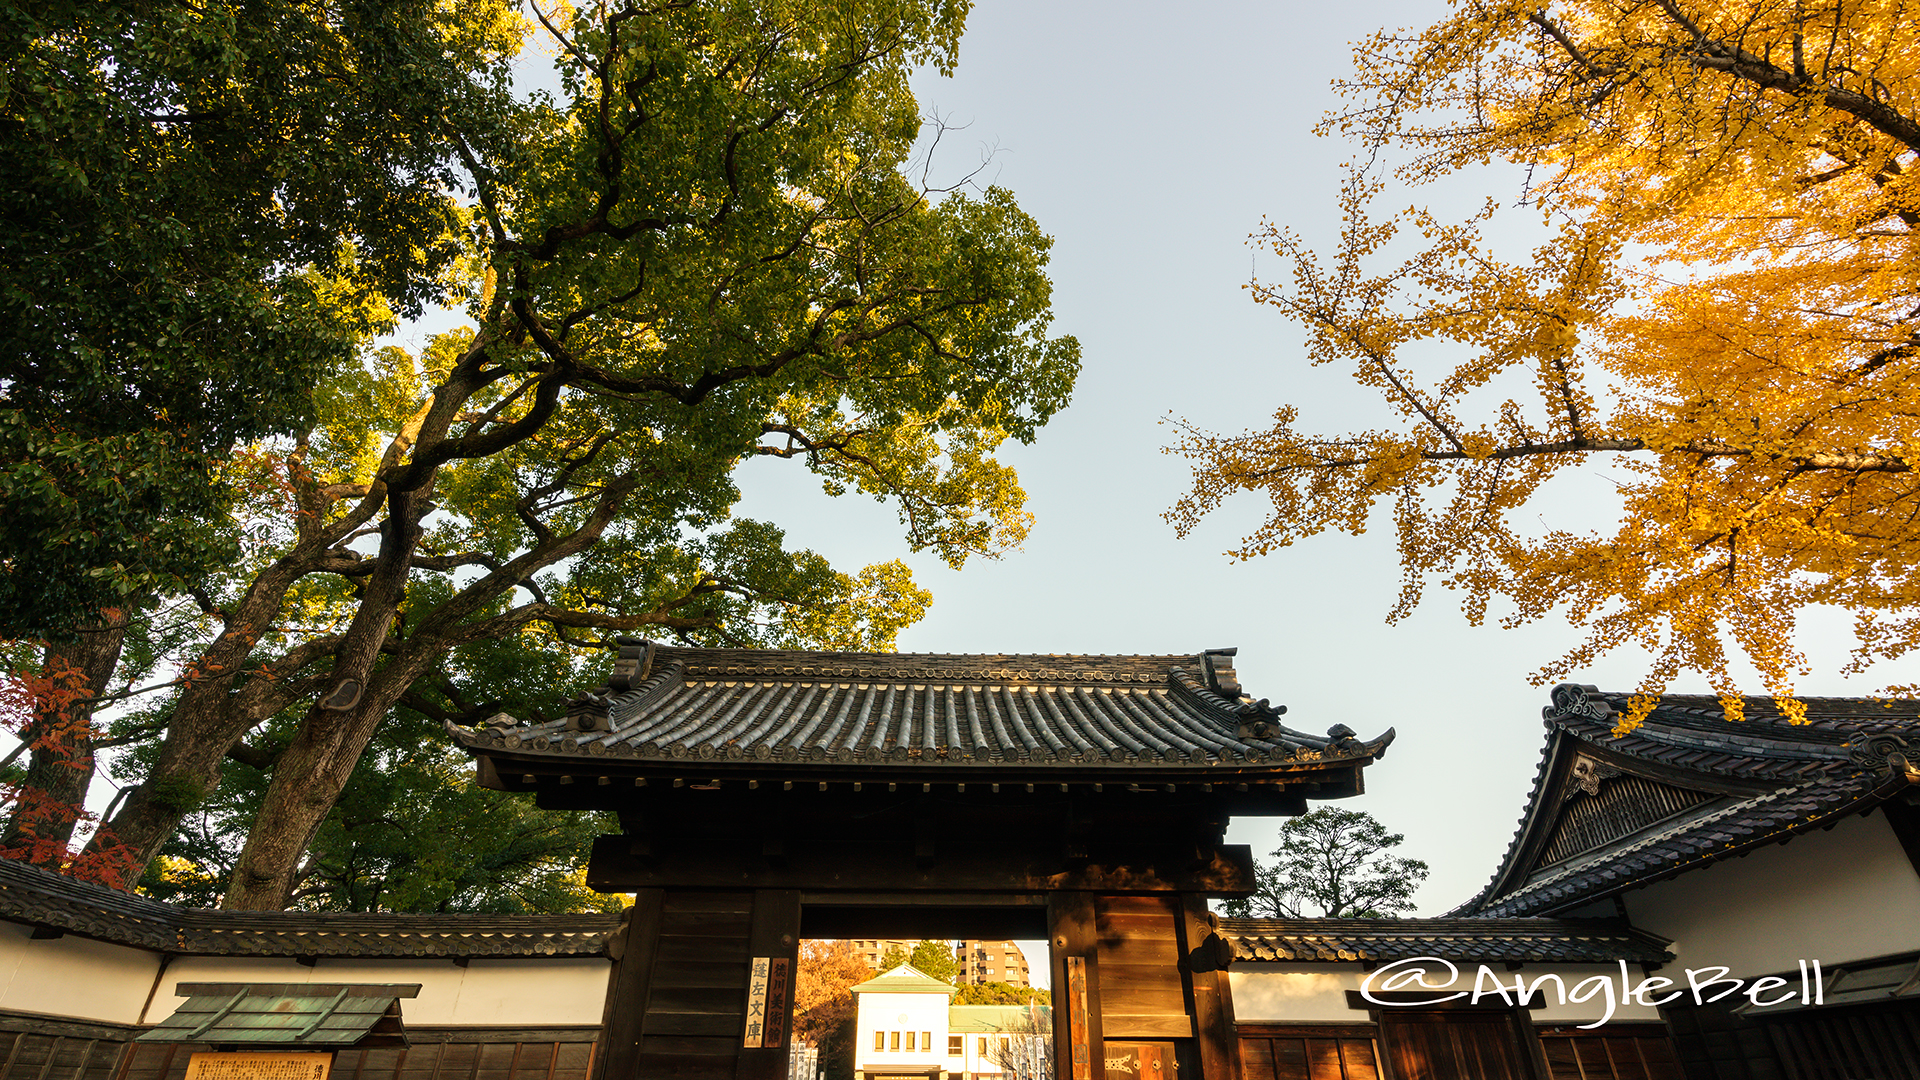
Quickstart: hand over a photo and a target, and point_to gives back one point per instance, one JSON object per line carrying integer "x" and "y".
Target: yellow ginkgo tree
{"x": 1724, "y": 317}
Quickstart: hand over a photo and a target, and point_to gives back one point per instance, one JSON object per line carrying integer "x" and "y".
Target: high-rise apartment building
{"x": 980, "y": 961}
{"x": 872, "y": 949}
{"x": 993, "y": 961}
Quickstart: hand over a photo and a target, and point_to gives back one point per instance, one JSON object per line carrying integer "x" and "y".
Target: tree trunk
{"x": 209, "y": 717}
{"x": 186, "y": 771}
{"x": 313, "y": 770}
{"x": 306, "y": 784}
{"x": 212, "y": 713}
{"x": 60, "y": 768}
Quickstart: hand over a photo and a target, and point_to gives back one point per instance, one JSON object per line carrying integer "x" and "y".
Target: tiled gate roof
{"x": 923, "y": 712}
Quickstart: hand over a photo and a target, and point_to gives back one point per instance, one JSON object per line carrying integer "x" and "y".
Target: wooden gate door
{"x": 1456, "y": 1044}
{"x": 1140, "y": 969}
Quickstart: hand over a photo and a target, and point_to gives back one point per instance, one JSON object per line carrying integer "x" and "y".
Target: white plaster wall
{"x": 73, "y": 977}
{"x": 1317, "y": 993}
{"x": 902, "y": 1013}
{"x": 530, "y": 992}
{"x": 1845, "y": 894}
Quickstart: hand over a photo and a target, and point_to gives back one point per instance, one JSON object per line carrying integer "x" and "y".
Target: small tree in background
{"x": 936, "y": 960}
{"x": 892, "y": 958}
{"x": 1028, "y": 1055}
{"x": 1336, "y": 861}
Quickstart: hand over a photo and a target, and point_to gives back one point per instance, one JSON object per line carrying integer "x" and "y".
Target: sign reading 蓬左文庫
{"x": 757, "y": 1002}
{"x": 218, "y": 1065}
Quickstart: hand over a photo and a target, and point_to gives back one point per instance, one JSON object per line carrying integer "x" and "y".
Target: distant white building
{"x": 907, "y": 1026}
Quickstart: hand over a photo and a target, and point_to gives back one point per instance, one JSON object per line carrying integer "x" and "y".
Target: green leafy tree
{"x": 200, "y": 218}
{"x": 893, "y": 958}
{"x": 200, "y": 215}
{"x": 410, "y": 831}
{"x": 1333, "y": 863}
{"x": 936, "y": 960}
{"x": 704, "y": 254}
{"x": 1000, "y": 993}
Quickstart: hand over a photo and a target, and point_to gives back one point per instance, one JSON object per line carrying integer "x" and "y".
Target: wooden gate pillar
{"x": 1204, "y": 960}
{"x": 702, "y": 986}
{"x": 774, "y": 938}
{"x": 633, "y": 951}
{"x": 1073, "y": 940}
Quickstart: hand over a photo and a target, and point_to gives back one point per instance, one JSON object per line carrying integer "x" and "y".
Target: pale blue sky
{"x": 1149, "y": 140}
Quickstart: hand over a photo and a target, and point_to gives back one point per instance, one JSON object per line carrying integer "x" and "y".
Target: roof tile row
{"x": 1478, "y": 941}
{"x": 31, "y": 895}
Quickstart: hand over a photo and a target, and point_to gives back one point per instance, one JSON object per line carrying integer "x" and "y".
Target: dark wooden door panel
{"x": 1307, "y": 1057}
{"x": 1646, "y": 1054}
{"x": 1454, "y": 1044}
{"x": 1854, "y": 1044}
{"x": 1143, "y": 994}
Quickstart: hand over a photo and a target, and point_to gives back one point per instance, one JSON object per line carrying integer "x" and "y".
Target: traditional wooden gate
{"x": 768, "y": 796}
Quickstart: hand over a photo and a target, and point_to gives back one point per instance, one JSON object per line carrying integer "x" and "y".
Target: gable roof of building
{"x": 1611, "y": 812}
{"x": 905, "y": 979}
{"x": 921, "y": 714}
{"x": 52, "y": 902}
{"x": 1464, "y": 941}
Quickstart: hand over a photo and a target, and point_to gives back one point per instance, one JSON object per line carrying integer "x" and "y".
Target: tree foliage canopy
{"x": 1001, "y": 993}
{"x": 704, "y": 251}
{"x": 1335, "y": 861}
{"x": 935, "y": 959}
{"x": 1724, "y": 312}
{"x": 205, "y": 206}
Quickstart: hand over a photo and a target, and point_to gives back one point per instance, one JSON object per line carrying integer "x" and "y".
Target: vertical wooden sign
{"x": 757, "y": 1003}
{"x": 1077, "y": 1018}
{"x": 776, "y": 1029}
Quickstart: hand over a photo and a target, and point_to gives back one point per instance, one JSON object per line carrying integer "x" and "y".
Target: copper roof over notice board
{"x": 923, "y": 711}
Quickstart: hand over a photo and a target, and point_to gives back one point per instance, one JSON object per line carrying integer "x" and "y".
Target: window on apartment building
{"x": 983, "y": 1046}
{"x": 879, "y": 1040}
{"x": 926, "y": 1040}
{"x": 956, "y": 1045}
{"x": 896, "y": 1040}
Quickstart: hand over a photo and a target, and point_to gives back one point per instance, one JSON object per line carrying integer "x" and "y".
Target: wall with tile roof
{"x": 73, "y": 977}
{"x": 1848, "y": 893}
{"x": 1772, "y": 780}
{"x": 81, "y": 978}
{"x": 533, "y": 992}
